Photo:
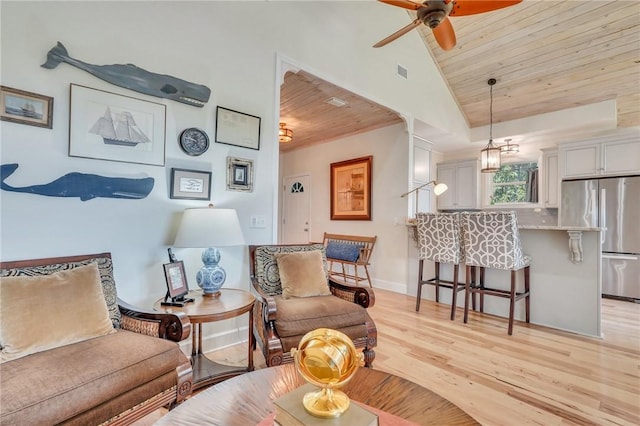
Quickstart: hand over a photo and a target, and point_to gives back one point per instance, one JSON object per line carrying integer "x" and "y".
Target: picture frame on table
{"x": 113, "y": 127}
{"x": 190, "y": 184}
{"x": 20, "y": 106}
{"x": 351, "y": 189}
{"x": 237, "y": 128}
{"x": 239, "y": 174}
{"x": 177, "y": 287}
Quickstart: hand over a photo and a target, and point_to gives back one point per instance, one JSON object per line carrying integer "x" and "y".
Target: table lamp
{"x": 208, "y": 228}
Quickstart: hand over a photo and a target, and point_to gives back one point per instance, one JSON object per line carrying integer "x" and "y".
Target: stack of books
{"x": 291, "y": 412}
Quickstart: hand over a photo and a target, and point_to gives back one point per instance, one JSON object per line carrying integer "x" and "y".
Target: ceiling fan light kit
{"x": 490, "y": 154}
{"x": 285, "y": 134}
{"x": 435, "y": 15}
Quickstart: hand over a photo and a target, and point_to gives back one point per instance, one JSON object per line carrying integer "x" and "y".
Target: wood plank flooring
{"x": 538, "y": 376}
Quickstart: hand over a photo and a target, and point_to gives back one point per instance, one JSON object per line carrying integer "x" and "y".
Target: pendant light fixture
{"x": 284, "y": 133}
{"x": 490, "y": 154}
{"x": 509, "y": 148}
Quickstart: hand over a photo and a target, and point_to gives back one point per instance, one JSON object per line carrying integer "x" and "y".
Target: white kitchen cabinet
{"x": 605, "y": 158}
{"x": 550, "y": 178}
{"x": 462, "y": 180}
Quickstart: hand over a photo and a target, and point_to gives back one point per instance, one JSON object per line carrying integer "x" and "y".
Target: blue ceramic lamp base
{"x": 211, "y": 277}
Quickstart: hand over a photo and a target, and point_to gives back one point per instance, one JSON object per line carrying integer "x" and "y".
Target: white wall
{"x": 229, "y": 46}
{"x": 390, "y": 150}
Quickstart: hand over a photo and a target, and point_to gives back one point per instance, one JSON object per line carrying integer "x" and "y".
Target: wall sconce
{"x": 284, "y": 133}
{"x": 438, "y": 189}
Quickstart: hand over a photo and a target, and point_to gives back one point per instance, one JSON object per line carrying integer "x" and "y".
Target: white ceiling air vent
{"x": 402, "y": 71}
{"x": 336, "y": 102}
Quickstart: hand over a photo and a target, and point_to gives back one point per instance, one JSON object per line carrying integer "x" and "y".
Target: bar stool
{"x": 439, "y": 241}
{"x": 492, "y": 240}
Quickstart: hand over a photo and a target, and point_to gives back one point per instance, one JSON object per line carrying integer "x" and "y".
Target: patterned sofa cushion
{"x": 106, "y": 276}
{"x": 266, "y": 266}
{"x": 343, "y": 251}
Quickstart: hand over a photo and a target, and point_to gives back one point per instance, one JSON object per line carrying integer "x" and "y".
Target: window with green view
{"x": 515, "y": 183}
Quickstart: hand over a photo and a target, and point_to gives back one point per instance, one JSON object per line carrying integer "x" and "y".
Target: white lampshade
{"x": 440, "y": 188}
{"x": 209, "y": 227}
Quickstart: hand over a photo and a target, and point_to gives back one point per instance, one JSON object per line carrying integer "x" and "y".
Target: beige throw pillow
{"x": 47, "y": 311}
{"x": 302, "y": 274}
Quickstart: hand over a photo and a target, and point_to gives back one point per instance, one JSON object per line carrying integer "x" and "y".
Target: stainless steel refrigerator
{"x": 612, "y": 203}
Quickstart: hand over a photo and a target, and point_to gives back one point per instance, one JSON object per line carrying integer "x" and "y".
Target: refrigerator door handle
{"x": 603, "y": 214}
{"x": 620, "y": 256}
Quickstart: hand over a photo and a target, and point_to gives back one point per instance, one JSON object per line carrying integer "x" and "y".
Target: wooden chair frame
{"x": 364, "y": 260}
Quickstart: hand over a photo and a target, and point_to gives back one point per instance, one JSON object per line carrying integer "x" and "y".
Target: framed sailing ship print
{"x": 108, "y": 126}
{"x": 19, "y": 106}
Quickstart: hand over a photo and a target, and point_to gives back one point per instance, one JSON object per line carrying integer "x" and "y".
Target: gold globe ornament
{"x": 328, "y": 359}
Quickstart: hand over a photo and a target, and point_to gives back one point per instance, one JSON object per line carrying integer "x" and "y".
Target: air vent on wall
{"x": 402, "y": 71}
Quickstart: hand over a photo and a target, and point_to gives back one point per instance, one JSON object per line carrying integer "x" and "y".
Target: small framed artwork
{"x": 237, "y": 128}
{"x": 19, "y": 106}
{"x": 177, "y": 287}
{"x": 108, "y": 126}
{"x": 239, "y": 174}
{"x": 190, "y": 184}
{"x": 351, "y": 189}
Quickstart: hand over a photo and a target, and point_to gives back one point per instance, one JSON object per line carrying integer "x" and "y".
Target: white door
{"x": 295, "y": 215}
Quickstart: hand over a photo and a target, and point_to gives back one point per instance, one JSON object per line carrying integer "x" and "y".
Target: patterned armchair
{"x": 439, "y": 240}
{"x": 281, "y": 321}
{"x": 492, "y": 240}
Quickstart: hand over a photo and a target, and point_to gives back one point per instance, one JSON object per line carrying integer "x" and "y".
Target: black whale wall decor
{"x": 135, "y": 78}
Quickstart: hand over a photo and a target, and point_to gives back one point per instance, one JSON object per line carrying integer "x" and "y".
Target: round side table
{"x": 229, "y": 303}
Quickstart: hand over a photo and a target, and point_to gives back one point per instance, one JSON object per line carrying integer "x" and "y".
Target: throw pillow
{"x": 44, "y": 312}
{"x": 343, "y": 251}
{"x": 302, "y": 274}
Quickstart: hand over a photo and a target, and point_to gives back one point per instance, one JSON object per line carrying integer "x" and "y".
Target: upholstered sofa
{"x": 73, "y": 353}
{"x": 295, "y": 296}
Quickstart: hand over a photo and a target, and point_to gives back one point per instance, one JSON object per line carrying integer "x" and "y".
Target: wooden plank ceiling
{"x": 304, "y": 109}
{"x": 547, "y": 55}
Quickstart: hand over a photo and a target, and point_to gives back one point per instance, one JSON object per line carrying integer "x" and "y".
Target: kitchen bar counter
{"x": 565, "y": 293}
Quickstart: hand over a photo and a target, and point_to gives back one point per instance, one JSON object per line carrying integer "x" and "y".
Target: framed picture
{"x": 351, "y": 189}
{"x": 176, "y": 279}
{"x": 237, "y": 128}
{"x": 239, "y": 174}
{"x": 19, "y": 106}
{"x": 108, "y": 126}
{"x": 190, "y": 184}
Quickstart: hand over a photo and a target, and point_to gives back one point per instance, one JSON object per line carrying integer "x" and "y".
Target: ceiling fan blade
{"x": 472, "y": 7}
{"x": 402, "y": 31}
{"x": 406, "y": 4}
{"x": 444, "y": 34}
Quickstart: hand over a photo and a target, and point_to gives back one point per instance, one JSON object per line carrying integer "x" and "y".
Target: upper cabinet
{"x": 550, "y": 178}
{"x": 462, "y": 180}
{"x": 589, "y": 159}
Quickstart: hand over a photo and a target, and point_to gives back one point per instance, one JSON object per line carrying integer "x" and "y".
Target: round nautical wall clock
{"x": 194, "y": 141}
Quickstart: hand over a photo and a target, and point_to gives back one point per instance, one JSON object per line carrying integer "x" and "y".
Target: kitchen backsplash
{"x": 534, "y": 217}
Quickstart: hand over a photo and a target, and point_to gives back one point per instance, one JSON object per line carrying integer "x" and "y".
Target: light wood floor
{"x": 537, "y": 376}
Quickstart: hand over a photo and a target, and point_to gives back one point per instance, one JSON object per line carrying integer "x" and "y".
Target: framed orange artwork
{"x": 351, "y": 189}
